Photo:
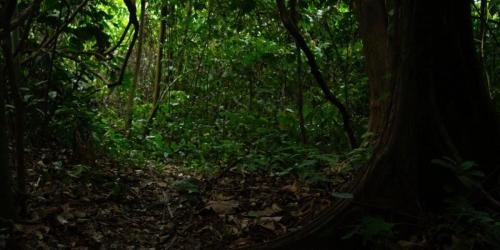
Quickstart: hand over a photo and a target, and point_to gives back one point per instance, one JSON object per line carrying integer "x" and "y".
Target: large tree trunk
{"x": 439, "y": 107}
{"x": 373, "y": 25}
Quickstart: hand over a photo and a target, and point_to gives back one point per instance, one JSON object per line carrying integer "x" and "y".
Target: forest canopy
{"x": 260, "y": 124}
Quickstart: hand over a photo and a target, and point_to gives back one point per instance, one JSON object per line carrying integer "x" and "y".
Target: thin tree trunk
{"x": 287, "y": 19}
{"x": 300, "y": 98}
{"x": 182, "y": 55}
{"x": 13, "y": 78}
{"x": 15, "y": 84}
{"x": 159, "y": 58}
{"x": 483, "y": 28}
{"x": 299, "y": 91}
{"x": 46, "y": 90}
{"x": 8, "y": 208}
{"x": 483, "y": 16}
{"x": 132, "y": 20}
{"x": 251, "y": 92}
{"x": 137, "y": 67}
{"x": 158, "y": 70}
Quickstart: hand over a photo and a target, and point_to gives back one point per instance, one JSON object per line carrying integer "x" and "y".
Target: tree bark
{"x": 158, "y": 70}
{"x": 137, "y": 67}
{"x": 12, "y": 68}
{"x": 8, "y": 207}
{"x": 300, "y": 98}
{"x": 161, "y": 42}
{"x": 287, "y": 19}
{"x": 440, "y": 106}
{"x": 132, "y": 20}
{"x": 373, "y": 30}
{"x": 483, "y": 17}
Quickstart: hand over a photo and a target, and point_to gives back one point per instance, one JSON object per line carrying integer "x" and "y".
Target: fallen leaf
{"x": 268, "y": 225}
{"x": 98, "y": 237}
{"x": 272, "y": 218}
{"x": 266, "y": 212}
{"x": 80, "y": 214}
{"x": 290, "y": 188}
{"x": 342, "y": 195}
{"x": 241, "y": 242}
{"x": 61, "y": 219}
{"x": 223, "y": 207}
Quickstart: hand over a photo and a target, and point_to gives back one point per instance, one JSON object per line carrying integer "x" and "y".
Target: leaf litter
{"x": 127, "y": 208}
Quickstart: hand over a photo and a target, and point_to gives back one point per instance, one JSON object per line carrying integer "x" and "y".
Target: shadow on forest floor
{"x": 125, "y": 207}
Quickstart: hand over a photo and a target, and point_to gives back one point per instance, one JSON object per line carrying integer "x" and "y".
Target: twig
{"x": 166, "y": 204}
{"x": 46, "y": 42}
{"x": 25, "y": 14}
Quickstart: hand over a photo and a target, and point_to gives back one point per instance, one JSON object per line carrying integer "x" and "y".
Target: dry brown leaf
{"x": 97, "y": 236}
{"x": 291, "y": 188}
{"x": 268, "y": 225}
{"x": 222, "y": 197}
{"x": 60, "y": 218}
{"x": 223, "y": 207}
{"x": 272, "y": 218}
{"x": 241, "y": 242}
{"x": 276, "y": 208}
{"x": 244, "y": 223}
{"x": 268, "y": 211}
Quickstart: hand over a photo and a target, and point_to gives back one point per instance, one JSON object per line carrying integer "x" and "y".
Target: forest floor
{"x": 118, "y": 207}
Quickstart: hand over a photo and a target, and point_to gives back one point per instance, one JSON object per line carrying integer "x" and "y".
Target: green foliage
{"x": 374, "y": 231}
{"x": 186, "y": 186}
{"x": 228, "y": 91}
{"x": 466, "y": 172}
{"x": 469, "y": 226}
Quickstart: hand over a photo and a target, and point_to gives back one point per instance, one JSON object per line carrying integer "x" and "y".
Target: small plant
{"x": 187, "y": 187}
{"x": 465, "y": 171}
{"x": 79, "y": 171}
{"x": 372, "y": 231}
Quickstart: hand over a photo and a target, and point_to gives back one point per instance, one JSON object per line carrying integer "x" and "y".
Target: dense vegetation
{"x": 271, "y": 105}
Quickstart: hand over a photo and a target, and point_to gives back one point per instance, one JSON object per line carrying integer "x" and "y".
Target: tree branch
{"x": 25, "y": 14}
{"x": 287, "y": 19}
{"x": 124, "y": 34}
{"x": 48, "y": 41}
{"x": 132, "y": 19}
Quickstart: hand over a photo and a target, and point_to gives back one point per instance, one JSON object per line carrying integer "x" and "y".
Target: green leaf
{"x": 443, "y": 163}
{"x": 373, "y": 226}
{"x": 53, "y": 94}
{"x": 343, "y": 195}
{"x": 468, "y": 165}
